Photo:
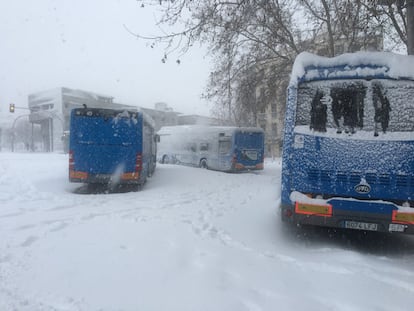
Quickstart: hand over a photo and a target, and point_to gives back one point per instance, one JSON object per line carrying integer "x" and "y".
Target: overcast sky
{"x": 82, "y": 44}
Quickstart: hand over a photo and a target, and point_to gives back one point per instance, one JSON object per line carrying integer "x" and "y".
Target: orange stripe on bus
{"x": 402, "y": 217}
{"x": 313, "y": 209}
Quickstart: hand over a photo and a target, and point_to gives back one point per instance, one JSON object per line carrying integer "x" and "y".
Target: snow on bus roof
{"x": 309, "y": 66}
{"x": 165, "y": 130}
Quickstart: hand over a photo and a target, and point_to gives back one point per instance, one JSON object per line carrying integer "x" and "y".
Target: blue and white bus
{"x": 110, "y": 146}
{"x": 348, "y": 150}
{"x": 229, "y": 149}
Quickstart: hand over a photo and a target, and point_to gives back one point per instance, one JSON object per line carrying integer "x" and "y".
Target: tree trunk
{"x": 410, "y": 27}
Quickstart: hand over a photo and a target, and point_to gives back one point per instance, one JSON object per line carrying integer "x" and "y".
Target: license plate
{"x": 102, "y": 176}
{"x": 361, "y": 225}
{"x": 396, "y": 228}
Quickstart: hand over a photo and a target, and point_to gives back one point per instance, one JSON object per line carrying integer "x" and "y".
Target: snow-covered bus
{"x": 109, "y": 146}
{"x": 348, "y": 151}
{"x": 221, "y": 148}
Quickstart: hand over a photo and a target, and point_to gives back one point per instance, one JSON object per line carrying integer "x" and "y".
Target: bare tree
{"x": 341, "y": 26}
{"x": 244, "y": 35}
{"x": 255, "y": 42}
{"x": 393, "y": 18}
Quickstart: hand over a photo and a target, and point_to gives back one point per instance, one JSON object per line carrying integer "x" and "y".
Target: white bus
{"x": 228, "y": 149}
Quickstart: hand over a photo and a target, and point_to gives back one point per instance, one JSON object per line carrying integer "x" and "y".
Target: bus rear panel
{"x": 348, "y": 157}
{"x": 107, "y": 146}
{"x": 248, "y": 150}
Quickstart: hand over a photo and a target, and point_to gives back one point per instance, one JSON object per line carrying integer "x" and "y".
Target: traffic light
{"x": 11, "y": 108}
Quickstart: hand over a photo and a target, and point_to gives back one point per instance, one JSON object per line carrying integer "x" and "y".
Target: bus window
{"x": 203, "y": 146}
{"x": 191, "y": 147}
{"x": 318, "y": 112}
{"x": 224, "y": 146}
{"x": 347, "y": 106}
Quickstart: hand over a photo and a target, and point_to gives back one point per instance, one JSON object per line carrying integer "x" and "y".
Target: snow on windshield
{"x": 355, "y": 64}
{"x": 126, "y": 117}
{"x": 348, "y": 106}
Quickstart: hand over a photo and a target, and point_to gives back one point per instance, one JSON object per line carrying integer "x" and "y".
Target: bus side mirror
{"x": 157, "y": 138}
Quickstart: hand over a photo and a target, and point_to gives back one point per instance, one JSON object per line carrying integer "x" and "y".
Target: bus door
{"x": 194, "y": 157}
{"x": 224, "y": 153}
{"x": 203, "y": 153}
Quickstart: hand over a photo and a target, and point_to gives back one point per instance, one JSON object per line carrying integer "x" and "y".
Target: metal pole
{"x": 12, "y": 140}
{"x": 32, "y": 143}
{"x": 410, "y": 27}
{"x": 13, "y": 130}
{"x": 51, "y": 136}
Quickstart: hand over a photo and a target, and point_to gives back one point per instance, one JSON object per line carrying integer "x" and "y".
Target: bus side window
{"x": 203, "y": 146}
{"x": 193, "y": 147}
{"x": 224, "y": 146}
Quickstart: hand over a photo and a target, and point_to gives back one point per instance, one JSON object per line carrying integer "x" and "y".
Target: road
{"x": 191, "y": 239}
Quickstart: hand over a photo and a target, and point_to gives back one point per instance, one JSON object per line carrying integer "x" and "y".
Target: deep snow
{"x": 393, "y": 65}
{"x": 192, "y": 239}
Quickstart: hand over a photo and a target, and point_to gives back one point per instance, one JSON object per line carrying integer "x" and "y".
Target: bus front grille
{"x": 353, "y": 178}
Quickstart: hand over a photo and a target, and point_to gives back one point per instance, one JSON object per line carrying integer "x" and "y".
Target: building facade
{"x": 51, "y": 111}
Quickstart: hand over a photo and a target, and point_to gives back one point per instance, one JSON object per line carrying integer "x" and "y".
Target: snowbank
{"x": 359, "y": 64}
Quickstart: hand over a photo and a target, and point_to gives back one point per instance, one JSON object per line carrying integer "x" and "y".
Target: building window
{"x": 47, "y": 107}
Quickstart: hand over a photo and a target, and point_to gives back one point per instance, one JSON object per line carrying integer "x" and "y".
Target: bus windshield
{"x": 377, "y": 106}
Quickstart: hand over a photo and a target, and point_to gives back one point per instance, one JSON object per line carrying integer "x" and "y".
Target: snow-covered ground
{"x": 192, "y": 239}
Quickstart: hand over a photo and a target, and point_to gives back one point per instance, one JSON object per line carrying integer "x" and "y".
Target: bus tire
{"x": 203, "y": 163}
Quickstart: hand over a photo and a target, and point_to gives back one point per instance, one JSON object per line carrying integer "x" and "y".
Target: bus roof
{"x": 117, "y": 111}
{"x": 359, "y": 65}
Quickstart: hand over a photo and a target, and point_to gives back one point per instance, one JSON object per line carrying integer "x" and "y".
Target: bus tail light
{"x": 234, "y": 158}
{"x": 288, "y": 213}
{"x": 239, "y": 166}
{"x": 71, "y": 161}
{"x": 72, "y": 173}
{"x": 78, "y": 175}
{"x": 138, "y": 167}
{"x": 138, "y": 162}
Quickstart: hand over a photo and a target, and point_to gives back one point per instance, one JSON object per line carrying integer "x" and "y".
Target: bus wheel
{"x": 164, "y": 159}
{"x": 203, "y": 163}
